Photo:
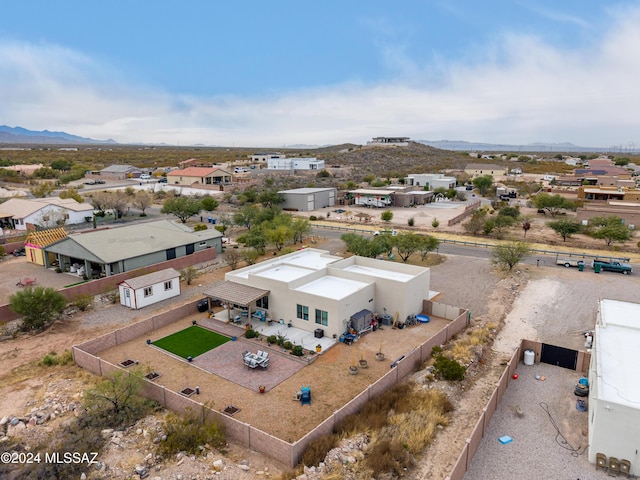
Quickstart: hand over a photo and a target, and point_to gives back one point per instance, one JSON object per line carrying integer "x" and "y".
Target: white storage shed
{"x": 138, "y": 292}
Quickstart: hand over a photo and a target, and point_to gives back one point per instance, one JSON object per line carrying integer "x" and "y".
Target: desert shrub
{"x": 317, "y": 450}
{"x": 313, "y": 218}
{"x": 82, "y": 302}
{"x": 411, "y": 222}
{"x": 287, "y": 345}
{"x": 188, "y": 433}
{"x": 297, "y": 350}
{"x": 435, "y": 351}
{"x": 2, "y": 252}
{"x": 52, "y": 358}
{"x": 251, "y": 333}
{"x": 435, "y": 223}
{"x": 198, "y": 227}
{"x": 448, "y": 369}
{"x": 388, "y": 456}
{"x": 271, "y": 339}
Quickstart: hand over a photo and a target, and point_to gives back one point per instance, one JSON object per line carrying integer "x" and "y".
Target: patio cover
{"x": 235, "y": 293}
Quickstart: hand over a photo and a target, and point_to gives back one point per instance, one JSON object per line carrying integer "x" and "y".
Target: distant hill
{"x": 19, "y": 135}
{"x": 458, "y": 145}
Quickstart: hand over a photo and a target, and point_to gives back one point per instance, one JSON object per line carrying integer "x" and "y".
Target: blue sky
{"x": 269, "y": 74}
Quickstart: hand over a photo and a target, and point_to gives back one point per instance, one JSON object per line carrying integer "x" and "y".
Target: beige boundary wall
{"x": 86, "y": 356}
{"x": 473, "y": 442}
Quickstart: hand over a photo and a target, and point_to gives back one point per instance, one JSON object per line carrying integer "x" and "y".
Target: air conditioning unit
{"x": 632, "y": 227}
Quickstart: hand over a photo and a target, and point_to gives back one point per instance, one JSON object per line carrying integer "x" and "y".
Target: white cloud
{"x": 520, "y": 90}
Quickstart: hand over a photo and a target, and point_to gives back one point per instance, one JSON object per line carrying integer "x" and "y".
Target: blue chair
{"x": 305, "y": 396}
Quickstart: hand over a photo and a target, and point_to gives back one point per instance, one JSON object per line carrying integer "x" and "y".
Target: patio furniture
{"x": 614, "y": 466}
{"x": 625, "y": 467}
{"x": 260, "y": 315}
{"x": 305, "y": 396}
{"x": 601, "y": 461}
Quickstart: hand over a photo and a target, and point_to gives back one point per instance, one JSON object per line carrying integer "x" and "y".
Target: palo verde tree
{"x": 553, "y": 204}
{"x": 182, "y": 207}
{"x": 610, "y": 229}
{"x": 483, "y": 183}
{"x": 565, "y": 228}
{"x": 428, "y": 243}
{"x": 509, "y": 254}
{"x": 37, "y": 305}
{"x": 407, "y": 244}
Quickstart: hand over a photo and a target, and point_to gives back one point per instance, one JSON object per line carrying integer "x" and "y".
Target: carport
{"x": 234, "y": 294}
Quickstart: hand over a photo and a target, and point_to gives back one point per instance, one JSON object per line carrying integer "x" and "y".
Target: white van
{"x": 145, "y": 176}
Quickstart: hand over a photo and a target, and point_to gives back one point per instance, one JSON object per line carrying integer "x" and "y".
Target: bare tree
{"x": 142, "y": 201}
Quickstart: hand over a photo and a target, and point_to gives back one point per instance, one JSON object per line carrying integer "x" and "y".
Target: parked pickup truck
{"x": 612, "y": 266}
{"x": 569, "y": 261}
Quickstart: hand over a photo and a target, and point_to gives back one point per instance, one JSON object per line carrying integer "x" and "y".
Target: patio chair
{"x": 601, "y": 461}
{"x": 625, "y": 467}
{"x": 305, "y": 396}
{"x": 614, "y": 466}
{"x": 264, "y": 363}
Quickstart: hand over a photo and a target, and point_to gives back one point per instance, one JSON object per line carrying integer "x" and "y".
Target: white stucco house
{"x": 18, "y": 213}
{"x": 294, "y": 164}
{"x": 614, "y": 395}
{"x": 139, "y": 292}
{"x": 311, "y": 289}
{"x": 430, "y": 180}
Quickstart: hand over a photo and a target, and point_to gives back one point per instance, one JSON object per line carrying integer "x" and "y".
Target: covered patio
{"x": 239, "y": 301}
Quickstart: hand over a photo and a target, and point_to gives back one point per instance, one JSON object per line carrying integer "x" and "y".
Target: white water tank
{"x": 529, "y": 357}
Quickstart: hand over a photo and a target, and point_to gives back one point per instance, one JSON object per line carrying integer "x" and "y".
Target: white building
{"x": 148, "y": 289}
{"x": 263, "y": 157}
{"x": 430, "y": 180}
{"x": 308, "y": 199}
{"x": 389, "y": 142}
{"x": 312, "y": 289}
{"x": 17, "y": 213}
{"x": 293, "y": 164}
{"x": 614, "y": 396}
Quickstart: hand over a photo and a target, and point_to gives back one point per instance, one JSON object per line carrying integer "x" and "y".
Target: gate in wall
{"x": 559, "y": 356}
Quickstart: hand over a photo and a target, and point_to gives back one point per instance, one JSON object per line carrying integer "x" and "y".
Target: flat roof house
{"x": 614, "y": 395}
{"x": 122, "y": 249}
{"x": 312, "y": 289}
{"x": 293, "y": 164}
{"x": 431, "y": 180}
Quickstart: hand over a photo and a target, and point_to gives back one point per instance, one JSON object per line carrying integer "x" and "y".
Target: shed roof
{"x": 149, "y": 279}
{"x": 21, "y": 207}
{"x": 237, "y": 293}
{"x": 43, "y": 238}
{"x": 306, "y": 190}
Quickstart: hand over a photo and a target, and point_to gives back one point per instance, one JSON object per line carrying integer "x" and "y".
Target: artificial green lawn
{"x": 191, "y": 341}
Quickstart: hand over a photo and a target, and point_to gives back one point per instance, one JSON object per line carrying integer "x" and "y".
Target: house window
{"x": 303, "y": 312}
{"x": 322, "y": 317}
{"x": 168, "y": 285}
{"x": 263, "y": 302}
{"x": 203, "y": 244}
{"x": 148, "y": 291}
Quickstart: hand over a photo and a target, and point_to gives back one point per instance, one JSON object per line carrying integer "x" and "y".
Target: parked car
{"x": 393, "y": 233}
{"x": 611, "y": 265}
{"x": 145, "y": 176}
{"x": 98, "y": 182}
{"x": 203, "y": 305}
{"x": 469, "y": 187}
{"x": 162, "y": 180}
{"x": 19, "y": 252}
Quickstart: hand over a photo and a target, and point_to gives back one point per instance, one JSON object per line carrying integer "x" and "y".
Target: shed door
{"x": 558, "y": 356}
{"x": 171, "y": 253}
{"x": 127, "y": 297}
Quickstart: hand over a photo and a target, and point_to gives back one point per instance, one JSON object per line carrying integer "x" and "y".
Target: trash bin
{"x": 597, "y": 267}
{"x": 581, "y": 267}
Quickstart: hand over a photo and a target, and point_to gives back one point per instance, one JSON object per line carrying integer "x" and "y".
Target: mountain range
{"x": 19, "y": 135}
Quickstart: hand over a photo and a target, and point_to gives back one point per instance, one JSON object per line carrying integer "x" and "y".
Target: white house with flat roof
{"x": 614, "y": 389}
{"x": 430, "y": 180}
{"x": 312, "y": 289}
{"x": 293, "y": 164}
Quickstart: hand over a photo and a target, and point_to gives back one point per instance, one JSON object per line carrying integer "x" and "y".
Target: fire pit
{"x": 128, "y": 362}
{"x": 152, "y": 375}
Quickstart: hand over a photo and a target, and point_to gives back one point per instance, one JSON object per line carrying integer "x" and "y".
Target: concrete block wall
{"x": 86, "y": 360}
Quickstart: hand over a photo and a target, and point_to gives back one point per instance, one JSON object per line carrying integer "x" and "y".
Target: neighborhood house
{"x": 148, "y": 289}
